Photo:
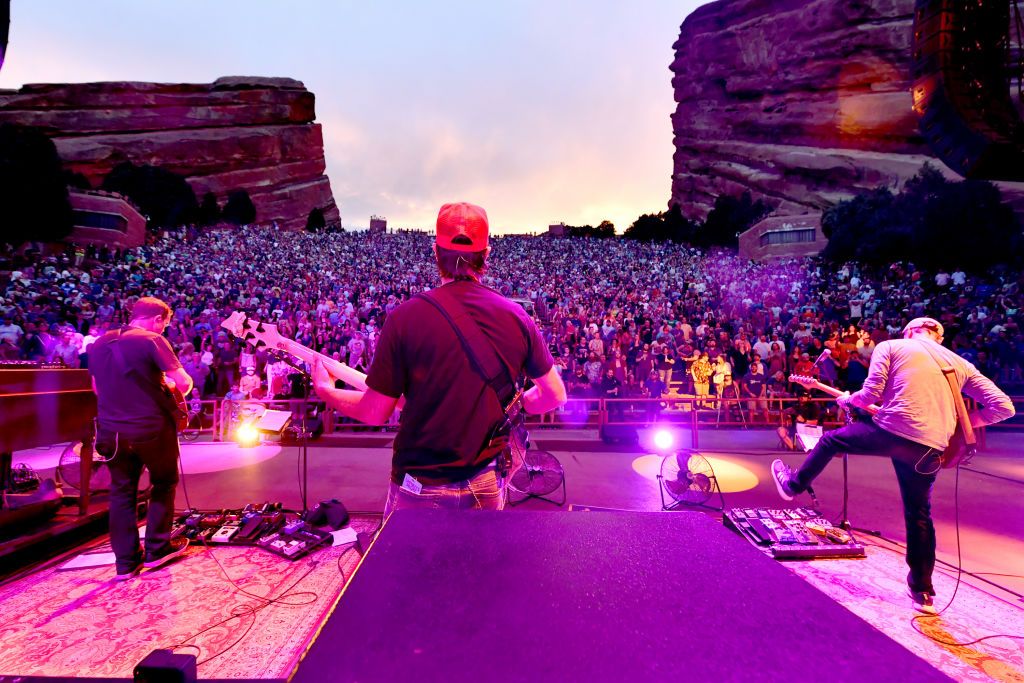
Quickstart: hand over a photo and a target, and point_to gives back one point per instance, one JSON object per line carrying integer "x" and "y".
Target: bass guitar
{"x": 956, "y": 452}
{"x": 255, "y": 332}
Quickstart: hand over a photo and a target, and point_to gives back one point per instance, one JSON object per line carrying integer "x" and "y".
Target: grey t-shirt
{"x": 122, "y": 404}
{"x": 916, "y": 401}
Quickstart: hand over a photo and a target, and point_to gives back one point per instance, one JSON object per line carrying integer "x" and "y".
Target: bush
{"x": 239, "y": 208}
{"x": 33, "y": 191}
{"x": 316, "y": 221}
{"x": 209, "y": 210}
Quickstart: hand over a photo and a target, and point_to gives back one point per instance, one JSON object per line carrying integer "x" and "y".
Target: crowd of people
{"x": 622, "y": 318}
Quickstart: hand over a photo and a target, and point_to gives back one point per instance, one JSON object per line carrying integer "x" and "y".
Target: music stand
{"x": 844, "y": 514}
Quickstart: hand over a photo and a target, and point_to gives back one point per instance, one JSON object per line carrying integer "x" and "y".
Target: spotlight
{"x": 663, "y": 440}
{"x": 247, "y": 435}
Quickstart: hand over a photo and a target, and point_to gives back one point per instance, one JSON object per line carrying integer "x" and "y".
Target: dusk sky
{"x": 539, "y": 111}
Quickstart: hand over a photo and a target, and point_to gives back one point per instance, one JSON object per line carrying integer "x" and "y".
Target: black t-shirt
{"x": 122, "y": 404}
{"x": 449, "y": 410}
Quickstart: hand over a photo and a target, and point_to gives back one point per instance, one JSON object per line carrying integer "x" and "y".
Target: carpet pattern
{"x": 875, "y": 590}
{"x": 80, "y": 622}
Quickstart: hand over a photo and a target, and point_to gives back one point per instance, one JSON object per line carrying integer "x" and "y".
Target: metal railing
{"x": 219, "y": 418}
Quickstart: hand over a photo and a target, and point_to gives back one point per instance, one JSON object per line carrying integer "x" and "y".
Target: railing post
{"x": 693, "y": 424}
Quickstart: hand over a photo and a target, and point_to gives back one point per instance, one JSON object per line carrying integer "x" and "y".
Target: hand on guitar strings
{"x": 322, "y": 379}
{"x": 844, "y": 401}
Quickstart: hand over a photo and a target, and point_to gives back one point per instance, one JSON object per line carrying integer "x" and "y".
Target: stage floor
{"x": 77, "y": 622}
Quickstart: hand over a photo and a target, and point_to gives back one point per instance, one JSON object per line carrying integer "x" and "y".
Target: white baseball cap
{"x": 927, "y": 323}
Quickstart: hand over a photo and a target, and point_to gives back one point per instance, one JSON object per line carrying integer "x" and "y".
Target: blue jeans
{"x": 159, "y": 453}
{"x": 485, "y": 491}
{"x": 916, "y": 466}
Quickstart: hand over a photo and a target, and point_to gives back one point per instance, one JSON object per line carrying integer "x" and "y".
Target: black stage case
{"x": 592, "y": 596}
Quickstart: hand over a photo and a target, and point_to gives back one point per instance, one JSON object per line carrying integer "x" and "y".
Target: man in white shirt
{"x": 10, "y": 331}
{"x": 913, "y": 427}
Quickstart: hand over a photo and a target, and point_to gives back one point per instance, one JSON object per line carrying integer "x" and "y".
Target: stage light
{"x": 664, "y": 440}
{"x": 247, "y": 435}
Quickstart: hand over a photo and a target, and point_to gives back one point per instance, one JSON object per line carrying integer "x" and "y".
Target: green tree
{"x": 648, "y": 227}
{"x": 934, "y": 222}
{"x": 239, "y": 208}
{"x": 668, "y": 225}
{"x": 604, "y": 230}
{"x": 316, "y": 221}
{"x": 870, "y": 228}
{"x": 33, "y": 191}
{"x": 163, "y": 196}
{"x": 209, "y": 210}
{"x": 76, "y": 180}
{"x": 728, "y": 218}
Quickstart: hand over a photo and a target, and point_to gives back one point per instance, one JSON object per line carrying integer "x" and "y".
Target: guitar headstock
{"x": 253, "y": 331}
{"x": 803, "y": 380}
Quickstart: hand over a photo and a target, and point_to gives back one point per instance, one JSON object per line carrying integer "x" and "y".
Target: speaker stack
{"x": 961, "y": 88}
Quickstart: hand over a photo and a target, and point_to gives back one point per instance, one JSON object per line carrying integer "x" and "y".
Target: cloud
{"x": 539, "y": 112}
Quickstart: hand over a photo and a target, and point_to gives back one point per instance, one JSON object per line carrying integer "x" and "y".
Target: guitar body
{"x": 958, "y": 451}
{"x": 180, "y": 407}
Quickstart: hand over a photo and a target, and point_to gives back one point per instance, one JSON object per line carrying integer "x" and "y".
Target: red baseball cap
{"x": 462, "y": 227}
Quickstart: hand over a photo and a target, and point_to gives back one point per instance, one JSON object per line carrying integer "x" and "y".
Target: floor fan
{"x": 69, "y": 471}
{"x": 688, "y": 479}
{"x": 539, "y": 476}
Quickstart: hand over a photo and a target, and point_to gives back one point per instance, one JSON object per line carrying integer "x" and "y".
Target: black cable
{"x": 959, "y": 561}
{"x": 943, "y": 641}
{"x": 1012, "y": 576}
{"x": 994, "y": 476}
{"x": 248, "y": 610}
{"x": 184, "y": 488}
{"x": 298, "y": 473}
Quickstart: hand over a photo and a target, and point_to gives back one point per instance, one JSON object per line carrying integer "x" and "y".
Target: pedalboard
{"x": 793, "y": 534}
{"x": 264, "y": 525}
{"x": 294, "y": 540}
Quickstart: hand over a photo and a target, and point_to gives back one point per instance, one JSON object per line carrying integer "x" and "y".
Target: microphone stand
{"x": 303, "y": 442}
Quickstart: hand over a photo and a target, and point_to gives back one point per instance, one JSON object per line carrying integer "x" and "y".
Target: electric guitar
{"x": 180, "y": 410}
{"x": 956, "y": 452}
{"x": 509, "y": 434}
{"x": 255, "y": 332}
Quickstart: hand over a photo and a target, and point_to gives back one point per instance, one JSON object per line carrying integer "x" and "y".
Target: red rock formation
{"x": 254, "y": 134}
{"x": 801, "y": 102}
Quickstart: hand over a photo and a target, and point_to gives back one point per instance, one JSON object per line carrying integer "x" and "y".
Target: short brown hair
{"x": 148, "y": 306}
{"x": 461, "y": 265}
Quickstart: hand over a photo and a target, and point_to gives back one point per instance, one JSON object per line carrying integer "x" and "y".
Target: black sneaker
{"x": 782, "y": 475}
{"x": 129, "y": 574}
{"x": 923, "y": 602}
{"x": 175, "y": 548}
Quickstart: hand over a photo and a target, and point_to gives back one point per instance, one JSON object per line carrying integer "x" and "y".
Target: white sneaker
{"x": 782, "y": 475}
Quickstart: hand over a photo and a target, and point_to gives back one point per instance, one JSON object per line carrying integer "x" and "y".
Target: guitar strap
{"x": 478, "y": 347}
{"x": 484, "y": 358}
{"x": 166, "y": 403}
{"x": 958, "y": 400}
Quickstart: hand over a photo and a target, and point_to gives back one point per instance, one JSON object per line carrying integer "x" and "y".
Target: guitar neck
{"x": 304, "y": 353}
{"x": 833, "y": 392}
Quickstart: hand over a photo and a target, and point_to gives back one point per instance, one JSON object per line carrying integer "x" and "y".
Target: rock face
{"x": 238, "y": 133}
{"x": 802, "y": 103}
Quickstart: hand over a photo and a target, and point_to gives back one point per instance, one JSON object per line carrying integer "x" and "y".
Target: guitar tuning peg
{"x": 259, "y": 328}
{"x": 249, "y": 336}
